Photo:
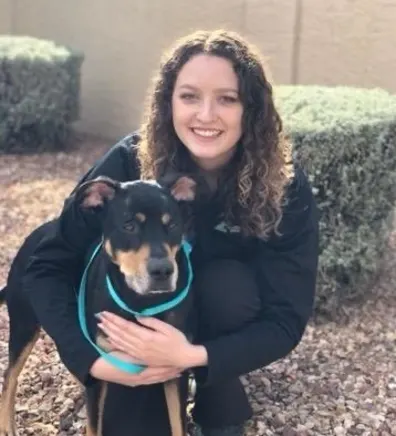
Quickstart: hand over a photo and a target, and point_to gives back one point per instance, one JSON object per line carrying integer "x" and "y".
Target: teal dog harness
{"x": 129, "y": 367}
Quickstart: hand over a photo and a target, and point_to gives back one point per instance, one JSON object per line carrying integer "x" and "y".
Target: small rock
{"x": 82, "y": 414}
{"x": 65, "y": 422}
{"x": 278, "y": 420}
{"x": 289, "y": 431}
{"x": 267, "y": 384}
{"x": 302, "y": 430}
{"x": 46, "y": 406}
{"x": 46, "y": 378}
{"x": 339, "y": 431}
{"x": 261, "y": 428}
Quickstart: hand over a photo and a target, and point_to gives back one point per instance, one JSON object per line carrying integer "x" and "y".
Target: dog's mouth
{"x": 144, "y": 285}
{"x": 158, "y": 291}
{"x": 161, "y": 287}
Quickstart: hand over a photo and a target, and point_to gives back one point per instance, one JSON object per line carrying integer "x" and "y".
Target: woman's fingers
{"x": 158, "y": 344}
{"x": 154, "y": 375}
{"x": 129, "y": 334}
{"x": 122, "y": 326}
{"x": 116, "y": 335}
{"x": 128, "y": 345}
{"x": 103, "y": 370}
{"x": 156, "y": 324}
{"x": 118, "y": 329}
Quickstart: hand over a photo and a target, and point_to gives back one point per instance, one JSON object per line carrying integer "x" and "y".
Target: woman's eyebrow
{"x": 188, "y": 87}
{"x": 227, "y": 90}
{"x": 217, "y": 89}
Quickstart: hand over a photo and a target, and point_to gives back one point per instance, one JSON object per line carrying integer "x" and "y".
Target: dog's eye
{"x": 131, "y": 226}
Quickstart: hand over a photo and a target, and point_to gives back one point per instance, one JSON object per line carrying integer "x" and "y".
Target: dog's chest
{"x": 98, "y": 299}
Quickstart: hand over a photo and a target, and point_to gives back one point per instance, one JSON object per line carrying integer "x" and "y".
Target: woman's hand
{"x": 157, "y": 344}
{"x": 103, "y": 370}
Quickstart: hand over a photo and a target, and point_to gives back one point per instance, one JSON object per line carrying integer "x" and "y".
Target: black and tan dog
{"x": 141, "y": 256}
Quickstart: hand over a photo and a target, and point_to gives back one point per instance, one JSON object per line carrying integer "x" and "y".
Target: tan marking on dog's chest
{"x": 103, "y": 343}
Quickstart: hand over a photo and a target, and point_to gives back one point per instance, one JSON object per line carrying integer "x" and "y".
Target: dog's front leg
{"x": 96, "y": 397}
{"x": 173, "y": 402}
{"x": 102, "y": 400}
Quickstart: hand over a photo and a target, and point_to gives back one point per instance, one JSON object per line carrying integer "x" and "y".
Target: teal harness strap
{"x": 129, "y": 367}
{"x": 150, "y": 311}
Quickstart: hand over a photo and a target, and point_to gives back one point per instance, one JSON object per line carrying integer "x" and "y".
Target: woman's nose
{"x": 206, "y": 112}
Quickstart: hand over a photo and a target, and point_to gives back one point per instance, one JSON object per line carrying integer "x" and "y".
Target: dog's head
{"x": 142, "y": 227}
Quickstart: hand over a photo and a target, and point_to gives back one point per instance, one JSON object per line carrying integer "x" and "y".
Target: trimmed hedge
{"x": 39, "y": 93}
{"x": 345, "y": 139}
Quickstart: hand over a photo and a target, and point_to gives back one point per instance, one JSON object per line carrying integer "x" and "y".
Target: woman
{"x": 255, "y": 248}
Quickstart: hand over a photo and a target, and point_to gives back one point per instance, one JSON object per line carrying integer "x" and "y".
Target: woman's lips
{"x": 206, "y": 133}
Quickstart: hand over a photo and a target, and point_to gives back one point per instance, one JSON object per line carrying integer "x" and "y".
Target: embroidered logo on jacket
{"x": 223, "y": 227}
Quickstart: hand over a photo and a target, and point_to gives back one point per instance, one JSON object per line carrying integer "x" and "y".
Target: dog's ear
{"x": 182, "y": 187}
{"x": 95, "y": 193}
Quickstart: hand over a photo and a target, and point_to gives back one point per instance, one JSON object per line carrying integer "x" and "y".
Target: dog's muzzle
{"x": 161, "y": 271}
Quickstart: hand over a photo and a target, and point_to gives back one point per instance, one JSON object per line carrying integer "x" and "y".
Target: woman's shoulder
{"x": 298, "y": 195}
{"x": 126, "y": 147}
{"x": 299, "y": 213}
{"x": 118, "y": 162}
{"x": 130, "y": 141}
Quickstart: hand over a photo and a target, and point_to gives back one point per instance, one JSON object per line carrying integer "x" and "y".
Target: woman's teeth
{"x": 206, "y": 132}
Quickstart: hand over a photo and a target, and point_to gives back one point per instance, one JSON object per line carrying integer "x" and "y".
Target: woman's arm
{"x": 56, "y": 266}
{"x": 105, "y": 371}
{"x": 286, "y": 269}
{"x": 154, "y": 343}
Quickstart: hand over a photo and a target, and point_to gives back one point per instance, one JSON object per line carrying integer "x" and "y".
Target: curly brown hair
{"x": 262, "y": 166}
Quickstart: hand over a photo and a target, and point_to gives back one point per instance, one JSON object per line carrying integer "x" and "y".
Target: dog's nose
{"x": 160, "y": 268}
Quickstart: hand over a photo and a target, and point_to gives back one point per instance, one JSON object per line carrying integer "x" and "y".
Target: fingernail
{"x": 98, "y": 315}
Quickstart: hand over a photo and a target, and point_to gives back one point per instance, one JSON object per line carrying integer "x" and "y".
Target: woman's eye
{"x": 130, "y": 226}
{"x": 228, "y": 99}
{"x": 188, "y": 96}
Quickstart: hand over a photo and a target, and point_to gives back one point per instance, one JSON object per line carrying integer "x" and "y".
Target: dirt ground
{"x": 340, "y": 380}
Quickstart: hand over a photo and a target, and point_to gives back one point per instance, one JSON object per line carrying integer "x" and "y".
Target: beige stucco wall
{"x": 122, "y": 41}
{"x": 5, "y": 16}
{"x": 349, "y": 42}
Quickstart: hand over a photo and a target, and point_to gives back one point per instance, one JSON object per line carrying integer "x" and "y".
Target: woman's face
{"x": 207, "y": 111}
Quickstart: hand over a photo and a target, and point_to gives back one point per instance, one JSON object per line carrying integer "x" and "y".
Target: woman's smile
{"x": 206, "y": 134}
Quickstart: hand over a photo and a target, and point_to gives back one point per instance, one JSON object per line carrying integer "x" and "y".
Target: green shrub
{"x": 39, "y": 93}
{"x": 345, "y": 139}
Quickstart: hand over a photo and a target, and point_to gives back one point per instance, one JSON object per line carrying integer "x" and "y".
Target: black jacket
{"x": 285, "y": 267}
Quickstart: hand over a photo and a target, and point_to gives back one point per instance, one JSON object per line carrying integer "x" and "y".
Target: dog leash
{"x": 129, "y": 367}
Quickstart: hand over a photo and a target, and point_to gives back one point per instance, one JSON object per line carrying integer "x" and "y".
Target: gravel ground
{"x": 340, "y": 380}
